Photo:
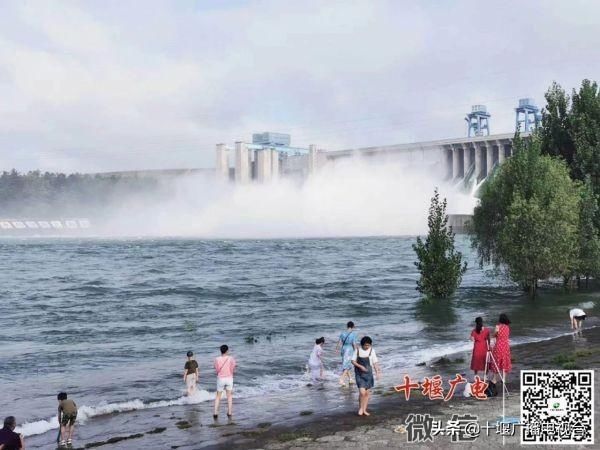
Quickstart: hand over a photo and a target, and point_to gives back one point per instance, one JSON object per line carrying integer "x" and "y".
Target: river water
{"x": 110, "y": 321}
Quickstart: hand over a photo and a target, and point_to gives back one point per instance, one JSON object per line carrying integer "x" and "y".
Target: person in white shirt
{"x": 364, "y": 361}
{"x": 315, "y": 364}
{"x": 577, "y": 316}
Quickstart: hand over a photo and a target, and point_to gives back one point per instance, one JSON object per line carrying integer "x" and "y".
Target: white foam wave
{"x": 272, "y": 383}
{"x": 86, "y": 412}
{"x": 409, "y": 359}
{"x": 37, "y": 427}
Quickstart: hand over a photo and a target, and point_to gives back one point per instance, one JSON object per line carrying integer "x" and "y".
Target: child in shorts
{"x": 67, "y": 414}
{"x": 191, "y": 373}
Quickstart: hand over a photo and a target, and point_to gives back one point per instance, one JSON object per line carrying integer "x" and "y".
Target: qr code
{"x": 557, "y": 407}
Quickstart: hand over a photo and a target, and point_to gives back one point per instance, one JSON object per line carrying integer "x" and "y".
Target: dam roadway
{"x": 454, "y": 159}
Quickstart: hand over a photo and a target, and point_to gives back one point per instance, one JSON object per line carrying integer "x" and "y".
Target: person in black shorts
{"x": 577, "y": 316}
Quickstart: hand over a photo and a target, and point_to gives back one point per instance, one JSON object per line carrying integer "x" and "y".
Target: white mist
{"x": 353, "y": 198}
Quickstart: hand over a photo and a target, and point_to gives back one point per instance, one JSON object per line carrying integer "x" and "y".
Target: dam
{"x": 465, "y": 162}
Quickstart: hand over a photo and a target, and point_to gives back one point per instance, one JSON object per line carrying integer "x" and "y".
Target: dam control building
{"x": 269, "y": 156}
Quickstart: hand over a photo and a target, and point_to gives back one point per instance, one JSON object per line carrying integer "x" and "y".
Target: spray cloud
{"x": 353, "y": 198}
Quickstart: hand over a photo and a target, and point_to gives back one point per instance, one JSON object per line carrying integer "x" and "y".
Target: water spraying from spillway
{"x": 353, "y": 198}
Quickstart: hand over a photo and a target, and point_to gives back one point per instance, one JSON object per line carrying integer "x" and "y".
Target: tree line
{"x": 36, "y": 194}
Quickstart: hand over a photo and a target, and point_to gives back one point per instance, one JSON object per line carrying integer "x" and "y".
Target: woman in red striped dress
{"x": 501, "y": 351}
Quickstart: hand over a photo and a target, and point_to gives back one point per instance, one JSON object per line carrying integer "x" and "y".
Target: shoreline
{"x": 389, "y": 409}
{"x": 179, "y": 424}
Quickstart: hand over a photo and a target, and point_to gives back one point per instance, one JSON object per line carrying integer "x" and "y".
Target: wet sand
{"x": 192, "y": 426}
{"x": 389, "y": 410}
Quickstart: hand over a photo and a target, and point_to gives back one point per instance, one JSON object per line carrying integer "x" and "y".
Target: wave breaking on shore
{"x": 87, "y": 412}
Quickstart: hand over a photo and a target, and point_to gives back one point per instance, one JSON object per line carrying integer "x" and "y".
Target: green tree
{"x": 39, "y": 195}
{"x": 585, "y": 132}
{"x": 439, "y": 264}
{"x": 571, "y": 129}
{"x": 589, "y": 242}
{"x": 555, "y": 133}
{"x": 527, "y": 220}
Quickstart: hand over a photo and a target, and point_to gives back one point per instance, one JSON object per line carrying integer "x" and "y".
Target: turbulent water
{"x": 110, "y": 321}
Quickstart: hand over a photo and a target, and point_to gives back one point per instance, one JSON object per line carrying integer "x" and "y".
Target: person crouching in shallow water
{"x": 348, "y": 344}
{"x": 501, "y": 361}
{"x": 315, "y": 363}
{"x": 67, "y": 414}
{"x": 481, "y": 341}
{"x": 9, "y": 440}
{"x": 577, "y": 316}
{"x": 224, "y": 366}
{"x": 365, "y": 360}
{"x": 191, "y": 373}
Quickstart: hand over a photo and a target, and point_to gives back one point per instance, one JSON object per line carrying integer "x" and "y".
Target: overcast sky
{"x": 117, "y": 85}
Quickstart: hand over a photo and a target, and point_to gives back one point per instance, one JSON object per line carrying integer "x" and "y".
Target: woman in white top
{"x": 315, "y": 364}
{"x": 577, "y": 316}
{"x": 364, "y": 361}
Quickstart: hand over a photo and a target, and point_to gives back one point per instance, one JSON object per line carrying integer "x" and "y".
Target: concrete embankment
{"x": 459, "y": 222}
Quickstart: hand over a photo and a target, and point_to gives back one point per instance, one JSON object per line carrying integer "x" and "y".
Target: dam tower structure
{"x": 222, "y": 165}
{"x": 478, "y": 121}
{"x": 268, "y": 157}
{"x": 528, "y": 116}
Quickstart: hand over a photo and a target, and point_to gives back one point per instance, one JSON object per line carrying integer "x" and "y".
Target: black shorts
{"x": 580, "y": 317}
{"x": 68, "y": 419}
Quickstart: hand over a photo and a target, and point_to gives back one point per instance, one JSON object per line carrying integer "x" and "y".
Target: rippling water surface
{"x": 111, "y": 320}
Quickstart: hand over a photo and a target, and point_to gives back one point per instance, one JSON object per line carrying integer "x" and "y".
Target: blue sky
{"x": 117, "y": 85}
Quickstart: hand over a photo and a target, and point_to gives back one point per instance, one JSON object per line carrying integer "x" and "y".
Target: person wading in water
{"x": 348, "y": 343}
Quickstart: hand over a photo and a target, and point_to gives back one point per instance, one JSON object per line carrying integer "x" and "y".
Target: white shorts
{"x": 190, "y": 381}
{"x": 224, "y": 384}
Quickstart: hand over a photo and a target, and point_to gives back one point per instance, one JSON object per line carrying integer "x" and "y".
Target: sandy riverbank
{"x": 390, "y": 409}
{"x": 187, "y": 426}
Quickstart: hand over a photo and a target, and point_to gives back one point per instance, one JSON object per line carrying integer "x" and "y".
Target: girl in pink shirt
{"x": 224, "y": 366}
